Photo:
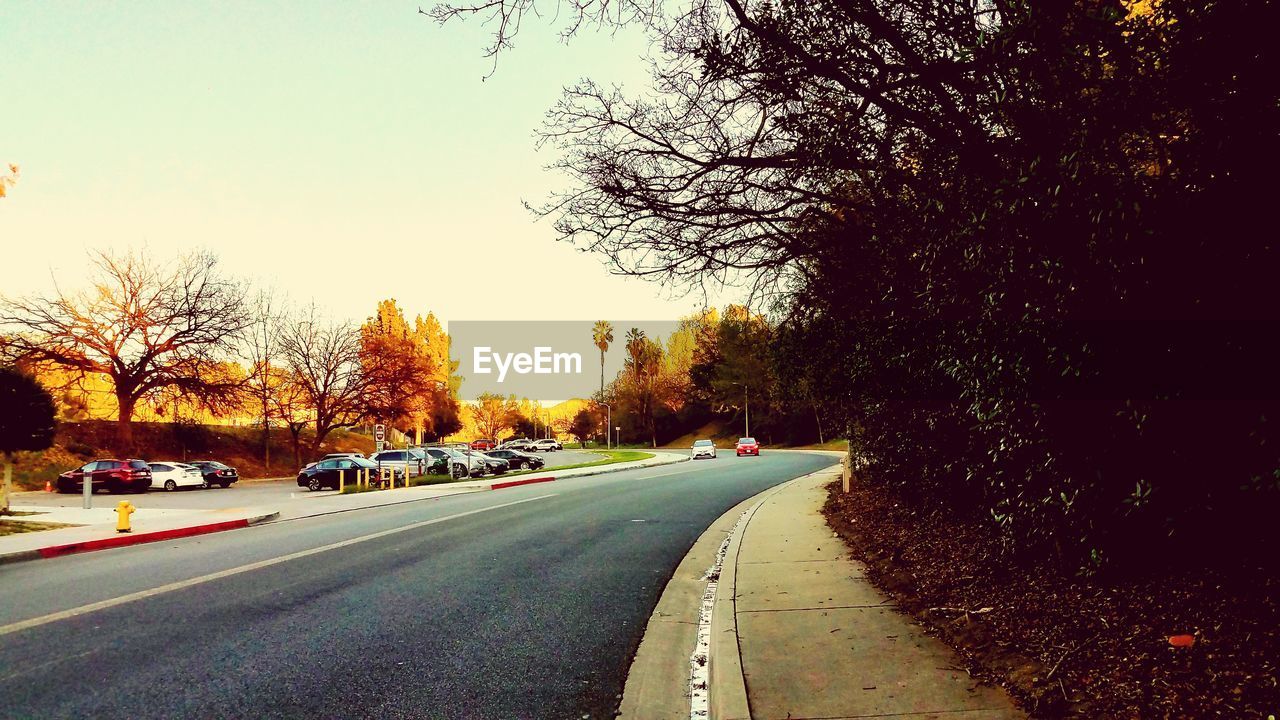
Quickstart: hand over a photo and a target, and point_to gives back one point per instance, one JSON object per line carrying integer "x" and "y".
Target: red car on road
{"x": 127, "y": 475}
{"x": 748, "y": 446}
{"x": 483, "y": 445}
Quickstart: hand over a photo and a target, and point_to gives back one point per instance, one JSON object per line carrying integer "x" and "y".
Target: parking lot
{"x": 245, "y": 493}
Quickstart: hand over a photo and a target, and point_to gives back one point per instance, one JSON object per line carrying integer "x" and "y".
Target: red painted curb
{"x": 514, "y": 483}
{"x": 157, "y": 536}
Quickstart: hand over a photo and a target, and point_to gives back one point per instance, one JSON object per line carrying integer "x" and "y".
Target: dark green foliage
{"x": 26, "y": 413}
{"x": 1025, "y": 251}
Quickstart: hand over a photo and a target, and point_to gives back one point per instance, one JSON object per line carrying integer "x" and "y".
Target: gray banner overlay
{"x": 551, "y": 360}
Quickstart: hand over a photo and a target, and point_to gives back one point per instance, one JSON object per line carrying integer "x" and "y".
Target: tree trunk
{"x": 8, "y": 483}
{"x": 321, "y": 433}
{"x": 818, "y": 418}
{"x": 266, "y": 445}
{"x": 124, "y": 423}
{"x": 295, "y": 429}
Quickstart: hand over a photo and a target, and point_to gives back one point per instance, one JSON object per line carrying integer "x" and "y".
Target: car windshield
{"x": 701, "y": 443}
{"x": 746, "y": 441}
{"x": 212, "y": 463}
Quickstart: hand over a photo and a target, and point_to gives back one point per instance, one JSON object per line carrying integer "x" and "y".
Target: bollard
{"x": 342, "y": 480}
{"x": 123, "y": 511}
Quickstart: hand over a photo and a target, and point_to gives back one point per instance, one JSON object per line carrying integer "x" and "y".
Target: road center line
{"x": 181, "y": 584}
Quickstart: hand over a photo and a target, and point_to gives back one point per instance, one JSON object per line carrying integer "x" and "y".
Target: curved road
{"x": 522, "y": 603}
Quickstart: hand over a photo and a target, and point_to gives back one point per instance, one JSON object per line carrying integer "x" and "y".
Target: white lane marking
{"x": 179, "y": 585}
{"x": 675, "y": 472}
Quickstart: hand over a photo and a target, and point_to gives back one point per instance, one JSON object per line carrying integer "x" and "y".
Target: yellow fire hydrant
{"x": 123, "y": 511}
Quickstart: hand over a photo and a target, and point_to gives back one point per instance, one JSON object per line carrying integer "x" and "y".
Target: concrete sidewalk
{"x": 95, "y": 528}
{"x": 798, "y": 632}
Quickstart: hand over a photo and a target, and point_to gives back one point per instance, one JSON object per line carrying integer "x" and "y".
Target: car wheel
{"x": 204, "y": 484}
{"x": 313, "y": 484}
{"x": 170, "y": 486}
{"x": 226, "y": 484}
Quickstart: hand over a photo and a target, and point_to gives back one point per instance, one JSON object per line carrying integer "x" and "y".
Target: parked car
{"x": 215, "y": 473}
{"x": 129, "y": 475}
{"x": 546, "y": 445}
{"x": 407, "y": 460}
{"x": 517, "y": 459}
{"x": 497, "y": 465}
{"x": 748, "y": 446}
{"x": 702, "y": 448}
{"x": 516, "y": 444}
{"x": 333, "y": 456}
{"x": 327, "y": 473}
{"x": 483, "y": 445}
{"x": 172, "y": 475}
{"x": 438, "y": 460}
{"x": 466, "y": 463}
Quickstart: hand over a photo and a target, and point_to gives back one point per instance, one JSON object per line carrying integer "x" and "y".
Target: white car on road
{"x": 546, "y": 445}
{"x": 702, "y": 448}
{"x": 173, "y": 475}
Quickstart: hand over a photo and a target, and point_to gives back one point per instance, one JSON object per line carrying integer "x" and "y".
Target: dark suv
{"x": 215, "y": 473}
{"x": 114, "y": 475}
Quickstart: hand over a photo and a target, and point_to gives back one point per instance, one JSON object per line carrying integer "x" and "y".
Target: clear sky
{"x": 338, "y": 151}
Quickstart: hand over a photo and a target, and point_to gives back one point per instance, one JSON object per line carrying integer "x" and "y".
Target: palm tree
{"x": 602, "y": 335}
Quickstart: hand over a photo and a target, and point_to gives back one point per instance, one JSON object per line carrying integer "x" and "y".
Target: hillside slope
{"x": 239, "y": 446}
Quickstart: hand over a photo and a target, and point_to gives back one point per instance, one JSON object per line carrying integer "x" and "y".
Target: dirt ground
{"x": 1070, "y": 646}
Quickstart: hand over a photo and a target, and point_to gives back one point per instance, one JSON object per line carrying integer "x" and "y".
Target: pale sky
{"x": 342, "y": 151}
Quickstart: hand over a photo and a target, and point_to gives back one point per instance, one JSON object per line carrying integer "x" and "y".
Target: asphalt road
{"x": 246, "y": 493}
{"x": 521, "y": 603}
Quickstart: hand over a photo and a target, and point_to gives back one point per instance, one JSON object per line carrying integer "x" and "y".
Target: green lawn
{"x": 14, "y": 527}
{"x": 610, "y": 457}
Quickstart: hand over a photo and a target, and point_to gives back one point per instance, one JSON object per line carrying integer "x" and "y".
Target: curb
{"x": 518, "y": 483}
{"x": 131, "y": 539}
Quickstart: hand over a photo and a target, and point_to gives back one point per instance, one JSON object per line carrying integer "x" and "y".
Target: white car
{"x": 412, "y": 462}
{"x": 467, "y": 463}
{"x": 546, "y": 445}
{"x": 173, "y": 475}
{"x": 702, "y": 448}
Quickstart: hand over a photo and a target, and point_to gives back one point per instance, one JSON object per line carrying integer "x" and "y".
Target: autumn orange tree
{"x": 7, "y": 180}
{"x": 398, "y": 368}
{"x": 443, "y": 413}
{"x": 492, "y": 414}
{"x": 145, "y": 325}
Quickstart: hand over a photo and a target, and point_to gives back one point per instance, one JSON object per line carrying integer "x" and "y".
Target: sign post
{"x": 379, "y": 435}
